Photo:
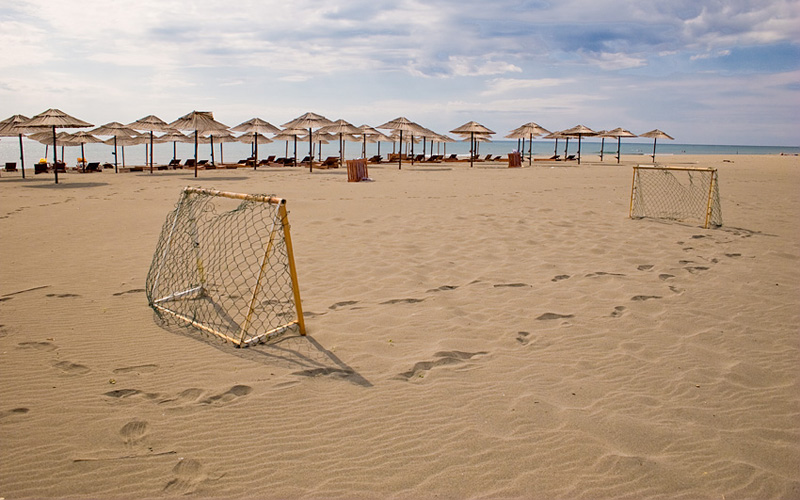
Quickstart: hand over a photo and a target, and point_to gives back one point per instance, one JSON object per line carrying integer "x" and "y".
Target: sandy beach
{"x": 475, "y": 332}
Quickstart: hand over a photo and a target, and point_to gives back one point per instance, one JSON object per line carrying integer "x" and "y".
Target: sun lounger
{"x": 40, "y": 168}
{"x": 108, "y": 165}
{"x": 552, "y": 158}
{"x": 330, "y": 162}
{"x": 267, "y": 161}
{"x": 92, "y": 167}
{"x": 452, "y": 157}
{"x": 375, "y": 159}
{"x": 174, "y": 163}
{"x": 60, "y": 166}
{"x": 11, "y": 166}
{"x": 189, "y": 163}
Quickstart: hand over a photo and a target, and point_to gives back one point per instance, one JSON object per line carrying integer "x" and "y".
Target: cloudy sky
{"x": 704, "y": 71}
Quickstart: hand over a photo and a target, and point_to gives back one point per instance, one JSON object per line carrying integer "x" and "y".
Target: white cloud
{"x": 505, "y": 85}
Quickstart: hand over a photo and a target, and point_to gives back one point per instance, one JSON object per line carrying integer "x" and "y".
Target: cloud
{"x": 505, "y": 85}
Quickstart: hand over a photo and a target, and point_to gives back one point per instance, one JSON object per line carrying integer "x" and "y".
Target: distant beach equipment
{"x": 579, "y": 131}
{"x": 472, "y": 128}
{"x": 256, "y": 128}
{"x": 529, "y": 130}
{"x": 198, "y": 121}
{"x": 55, "y": 118}
{"x": 114, "y": 129}
{"x": 656, "y": 134}
{"x": 308, "y": 121}
{"x": 11, "y": 127}
{"x": 400, "y": 124}
{"x": 619, "y": 133}
{"x": 150, "y": 123}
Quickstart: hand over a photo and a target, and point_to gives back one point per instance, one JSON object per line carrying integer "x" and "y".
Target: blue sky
{"x": 704, "y": 71}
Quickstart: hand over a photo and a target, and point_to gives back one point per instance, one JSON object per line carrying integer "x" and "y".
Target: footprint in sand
{"x": 12, "y": 412}
{"x": 445, "y": 358}
{"x": 189, "y": 473}
{"x": 402, "y": 301}
{"x": 134, "y": 431}
{"x": 512, "y": 285}
{"x": 135, "y": 290}
{"x": 72, "y": 368}
{"x": 230, "y": 395}
{"x": 62, "y": 295}
{"x": 522, "y": 337}
{"x": 561, "y": 277}
{"x": 664, "y": 277}
{"x": 343, "y": 304}
{"x": 602, "y": 273}
{"x": 618, "y": 311}
{"x": 442, "y": 288}
{"x": 645, "y": 267}
{"x": 642, "y": 298}
{"x": 548, "y": 316}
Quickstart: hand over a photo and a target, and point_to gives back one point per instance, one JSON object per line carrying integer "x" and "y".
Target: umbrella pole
{"x": 211, "y": 137}
{"x": 151, "y": 151}
{"x": 654, "y": 149}
{"x": 579, "y": 149}
{"x": 602, "y": 146}
{"x": 21, "y": 156}
{"x": 255, "y": 150}
{"x": 195, "y": 153}
{"x": 619, "y": 140}
{"x": 174, "y": 150}
{"x": 55, "y": 154}
{"x": 116, "y": 167}
{"x": 221, "y": 154}
{"x": 310, "y": 151}
{"x": 530, "y": 150}
{"x": 294, "y": 162}
{"x": 555, "y": 149}
{"x": 566, "y": 148}
{"x": 83, "y": 160}
{"x": 123, "y": 156}
{"x": 399, "y": 157}
{"x": 471, "y": 148}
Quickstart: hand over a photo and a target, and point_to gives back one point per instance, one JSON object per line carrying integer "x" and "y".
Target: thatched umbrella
{"x": 256, "y": 127}
{"x": 619, "y": 133}
{"x": 656, "y": 134}
{"x": 472, "y": 128}
{"x": 400, "y": 124}
{"x": 197, "y": 121}
{"x": 12, "y": 126}
{"x": 221, "y": 137}
{"x": 124, "y": 140}
{"x": 579, "y": 131}
{"x": 82, "y": 137}
{"x": 252, "y": 139}
{"x": 174, "y": 137}
{"x": 308, "y": 121}
{"x": 151, "y": 124}
{"x": 115, "y": 129}
{"x": 54, "y": 118}
{"x": 291, "y": 134}
{"x": 340, "y": 127}
{"x": 531, "y": 130}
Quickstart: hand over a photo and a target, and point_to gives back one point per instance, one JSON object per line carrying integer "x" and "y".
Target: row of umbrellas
{"x": 314, "y": 127}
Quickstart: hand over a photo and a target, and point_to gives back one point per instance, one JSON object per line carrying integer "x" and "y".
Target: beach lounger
{"x": 40, "y": 168}
{"x": 330, "y": 162}
{"x": 552, "y": 158}
{"x": 108, "y": 165}
{"x": 11, "y": 166}
{"x": 375, "y": 159}
{"x": 267, "y": 161}
{"x": 189, "y": 163}
{"x": 60, "y": 167}
{"x": 452, "y": 157}
{"x": 174, "y": 163}
{"x": 92, "y": 167}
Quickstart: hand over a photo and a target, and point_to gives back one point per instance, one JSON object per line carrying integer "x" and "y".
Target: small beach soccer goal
{"x": 224, "y": 264}
{"x": 676, "y": 193}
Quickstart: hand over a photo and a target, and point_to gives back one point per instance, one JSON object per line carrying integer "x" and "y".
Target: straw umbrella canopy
{"x": 150, "y": 123}
{"x": 124, "y": 140}
{"x": 371, "y": 134}
{"x": 531, "y": 130}
{"x": 12, "y": 126}
{"x": 579, "y": 131}
{"x": 82, "y": 137}
{"x": 174, "y": 137}
{"x": 114, "y": 129}
{"x": 340, "y": 127}
{"x": 54, "y": 118}
{"x": 221, "y": 137}
{"x": 291, "y": 134}
{"x": 472, "y": 128}
{"x": 308, "y": 121}
{"x": 198, "y": 121}
{"x": 656, "y": 134}
{"x": 400, "y": 124}
{"x": 619, "y": 133}
{"x": 251, "y": 140}
{"x": 256, "y": 127}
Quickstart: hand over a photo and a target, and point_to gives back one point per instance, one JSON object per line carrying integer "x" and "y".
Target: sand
{"x": 473, "y": 333}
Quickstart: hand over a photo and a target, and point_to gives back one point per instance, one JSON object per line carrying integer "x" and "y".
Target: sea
{"x": 232, "y": 152}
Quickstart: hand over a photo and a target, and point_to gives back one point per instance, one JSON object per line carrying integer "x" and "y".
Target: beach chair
{"x": 40, "y": 168}
{"x": 205, "y": 165}
{"x": 569, "y": 158}
{"x": 330, "y": 162}
{"x": 108, "y": 165}
{"x": 189, "y": 163}
{"x": 267, "y": 161}
{"x": 92, "y": 167}
{"x": 11, "y": 166}
{"x": 174, "y": 163}
{"x": 375, "y": 159}
{"x": 419, "y": 158}
{"x": 452, "y": 157}
{"x": 60, "y": 167}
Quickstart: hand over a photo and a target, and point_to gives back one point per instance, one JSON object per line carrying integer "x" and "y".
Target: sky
{"x": 704, "y": 71}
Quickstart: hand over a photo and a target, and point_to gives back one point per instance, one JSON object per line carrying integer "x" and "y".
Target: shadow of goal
{"x": 224, "y": 264}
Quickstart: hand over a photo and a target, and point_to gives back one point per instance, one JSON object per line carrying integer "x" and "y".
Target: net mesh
{"x": 222, "y": 265}
{"x": 681, "y": 194}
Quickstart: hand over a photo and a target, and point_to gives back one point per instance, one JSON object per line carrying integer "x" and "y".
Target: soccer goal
{"x": 224, "y": 265}
{"x": 676, "y": 193}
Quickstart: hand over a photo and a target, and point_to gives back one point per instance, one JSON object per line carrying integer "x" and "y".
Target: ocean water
{"x": 235, "y": 151}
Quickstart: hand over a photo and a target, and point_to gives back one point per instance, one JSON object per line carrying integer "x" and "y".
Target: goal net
{"x": 676, "y": 193}
{"x": 224, "y": 264}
